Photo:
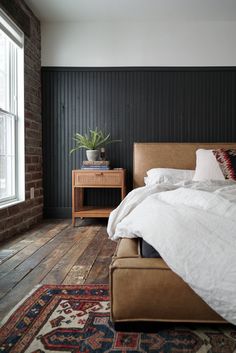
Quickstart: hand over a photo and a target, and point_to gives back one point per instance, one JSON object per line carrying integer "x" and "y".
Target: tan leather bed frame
{"x": 144, "y": 289}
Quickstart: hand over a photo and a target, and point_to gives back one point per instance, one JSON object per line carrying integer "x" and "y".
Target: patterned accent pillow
{"x": 227, "y": 162}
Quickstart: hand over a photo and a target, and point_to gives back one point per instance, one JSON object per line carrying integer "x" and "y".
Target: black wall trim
{"x": 138, "y": 68}
{"x": 135, "y": 105}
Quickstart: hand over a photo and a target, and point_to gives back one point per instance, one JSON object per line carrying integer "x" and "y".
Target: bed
{"x": 146, "y": 289}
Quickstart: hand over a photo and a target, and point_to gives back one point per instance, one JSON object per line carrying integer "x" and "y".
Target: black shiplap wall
{"x": 135, "y": 105}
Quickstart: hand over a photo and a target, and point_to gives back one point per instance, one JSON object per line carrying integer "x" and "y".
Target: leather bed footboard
{"x": 145, "y": 289}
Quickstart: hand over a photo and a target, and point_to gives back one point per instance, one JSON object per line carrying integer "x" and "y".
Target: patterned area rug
{"x": 76, "y": 319}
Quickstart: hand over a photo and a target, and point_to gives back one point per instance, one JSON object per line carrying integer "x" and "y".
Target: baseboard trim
{"x": 57, "y": 212}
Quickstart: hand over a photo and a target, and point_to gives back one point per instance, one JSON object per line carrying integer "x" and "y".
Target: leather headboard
{"x": 167, "y": 155}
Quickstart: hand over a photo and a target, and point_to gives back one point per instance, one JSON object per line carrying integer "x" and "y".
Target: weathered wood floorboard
{"x": 22, "y": 241}
{"x": 82, "y": 267}
{"x": 65, "y": 264}
{"x": 49, "y": 252}
{"x": 31, "y": 246}
{"x": 99, "y": 272}
{"x": 53, "y": 252}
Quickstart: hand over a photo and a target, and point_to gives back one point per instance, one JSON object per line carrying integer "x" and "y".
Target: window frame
{"x": 16, "y": 108}
{"x": 12, "y": 197}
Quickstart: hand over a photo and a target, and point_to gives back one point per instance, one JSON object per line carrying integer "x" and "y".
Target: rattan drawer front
{"x": 98, "y": 179}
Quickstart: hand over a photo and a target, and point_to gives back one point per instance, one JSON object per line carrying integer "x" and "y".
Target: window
{"x": 12, "y": 187}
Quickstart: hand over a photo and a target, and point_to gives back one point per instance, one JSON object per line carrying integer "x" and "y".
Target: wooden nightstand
{"x": 82, "y": 179}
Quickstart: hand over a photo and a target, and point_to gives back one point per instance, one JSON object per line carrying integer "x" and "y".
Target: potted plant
{"x": 92, "y": 141}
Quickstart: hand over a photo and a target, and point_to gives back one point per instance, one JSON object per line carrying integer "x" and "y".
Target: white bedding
{"x": 193, "y": 226}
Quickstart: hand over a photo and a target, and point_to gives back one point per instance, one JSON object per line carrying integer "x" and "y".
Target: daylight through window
{"x": 11, "y": 112}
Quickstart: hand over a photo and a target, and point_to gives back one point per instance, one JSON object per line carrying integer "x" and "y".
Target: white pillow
{"x": 163, "y": 175}
{"x": 207, "y": 167}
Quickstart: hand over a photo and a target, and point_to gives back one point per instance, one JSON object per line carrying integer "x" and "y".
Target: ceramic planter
{"x": 92, "y": 155}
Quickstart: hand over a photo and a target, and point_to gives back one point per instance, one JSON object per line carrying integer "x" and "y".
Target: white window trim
{"x": 17, "y": 36}
{"x": 10, "y": 203}
{"x": 11, "y": 29}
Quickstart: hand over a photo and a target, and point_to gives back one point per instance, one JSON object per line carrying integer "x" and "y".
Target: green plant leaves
{"x": 92, "y": 141}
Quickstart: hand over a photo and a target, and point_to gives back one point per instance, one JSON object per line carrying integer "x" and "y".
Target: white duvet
{"x": 193, "y": 227}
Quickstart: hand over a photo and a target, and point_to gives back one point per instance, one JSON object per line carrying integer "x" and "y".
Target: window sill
{"x": 10, "y": 203}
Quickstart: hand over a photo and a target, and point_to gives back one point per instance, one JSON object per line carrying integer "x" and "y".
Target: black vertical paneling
{"x": 135, "y": 105}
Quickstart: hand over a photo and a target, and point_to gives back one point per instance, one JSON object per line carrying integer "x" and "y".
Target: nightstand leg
{"x": 80, "y": 200}
{"x": 123, "y": 193}
{"x": 73, "y": 202}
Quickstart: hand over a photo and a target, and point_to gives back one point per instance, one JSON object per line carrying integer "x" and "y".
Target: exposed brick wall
{"x": 22, "y": 216}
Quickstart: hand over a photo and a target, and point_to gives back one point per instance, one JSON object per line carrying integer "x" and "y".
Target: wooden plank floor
{"x": 53, "y": 252}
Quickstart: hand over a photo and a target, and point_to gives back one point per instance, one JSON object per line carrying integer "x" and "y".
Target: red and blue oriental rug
{"x": 76, "y": 319}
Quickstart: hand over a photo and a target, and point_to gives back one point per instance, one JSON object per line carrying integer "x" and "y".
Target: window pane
{"x": 11, "y": 112}
{"x": 4, "y": 72}
{"x": 7, "y": 156}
